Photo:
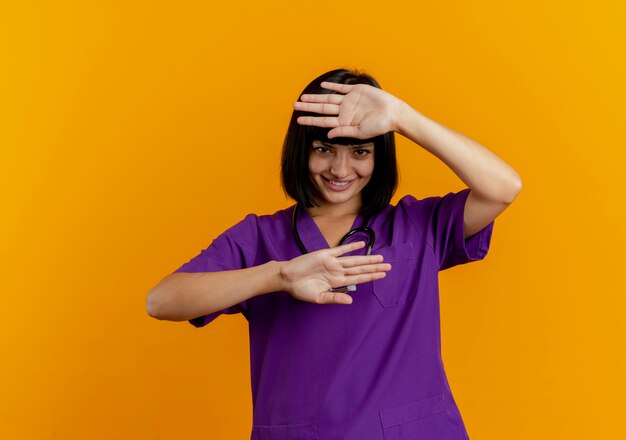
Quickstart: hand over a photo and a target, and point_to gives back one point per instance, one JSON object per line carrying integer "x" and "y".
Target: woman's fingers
{"x": 358, "y": 260}
{"x": 364, "y": 278}
{"x": 341, "y": 88}
{"x": 368, "y": 268}
{"x": 327, "y": 98}
{"x": 319, "y": 121}
{"x": 326, "y": 109}
{"x": 347, "y": 131}
{"x": 344, "y": 248}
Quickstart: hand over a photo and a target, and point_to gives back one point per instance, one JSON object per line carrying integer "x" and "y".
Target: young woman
{"x": 344, "y": 326}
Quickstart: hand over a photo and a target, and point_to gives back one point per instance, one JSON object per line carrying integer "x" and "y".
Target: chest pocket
{"x": 400, "y": 284}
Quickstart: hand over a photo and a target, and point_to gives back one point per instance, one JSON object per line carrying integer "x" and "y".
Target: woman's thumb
{"x": 344, "y": 299}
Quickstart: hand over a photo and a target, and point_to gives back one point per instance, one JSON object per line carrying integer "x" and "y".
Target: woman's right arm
{"x": 182, "y": 296}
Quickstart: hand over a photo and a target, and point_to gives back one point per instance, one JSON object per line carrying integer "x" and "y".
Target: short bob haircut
{"x": 296, "y": 180}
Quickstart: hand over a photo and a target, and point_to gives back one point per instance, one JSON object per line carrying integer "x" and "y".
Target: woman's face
{"x": 340, "y": 172}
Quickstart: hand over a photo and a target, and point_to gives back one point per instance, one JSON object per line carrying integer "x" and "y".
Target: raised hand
{"x": 361, "y": 112}
{"x": 309, "y": 277}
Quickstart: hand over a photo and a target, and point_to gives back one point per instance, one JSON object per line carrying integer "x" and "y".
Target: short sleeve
{"x": 234, "y": 249}
{"x": 440, "y": 219}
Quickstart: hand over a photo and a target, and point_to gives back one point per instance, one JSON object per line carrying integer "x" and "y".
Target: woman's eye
{"x": 321, "y": 149}
{"x": 361, "y": 152}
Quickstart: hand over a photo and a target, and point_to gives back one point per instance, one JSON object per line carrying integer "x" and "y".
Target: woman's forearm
{"x": 181, "y": 296}
{"x": 480, "y": 169}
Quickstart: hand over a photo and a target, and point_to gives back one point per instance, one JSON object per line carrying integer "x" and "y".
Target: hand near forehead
{"x": 361, "y": 112}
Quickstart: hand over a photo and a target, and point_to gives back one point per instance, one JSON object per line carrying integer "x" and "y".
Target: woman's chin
{"x": 337, "y": 198}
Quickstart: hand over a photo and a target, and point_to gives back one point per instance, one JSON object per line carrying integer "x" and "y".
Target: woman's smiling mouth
{"x": 337, "y": 185}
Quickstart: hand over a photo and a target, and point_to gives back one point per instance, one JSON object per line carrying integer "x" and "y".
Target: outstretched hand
{"x": 362, "y": 112}
{"x": 310, "y": 277}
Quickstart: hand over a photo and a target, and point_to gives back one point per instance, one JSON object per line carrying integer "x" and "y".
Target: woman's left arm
{"x": 493, "y": 183}
{"x": 363, "y": 111}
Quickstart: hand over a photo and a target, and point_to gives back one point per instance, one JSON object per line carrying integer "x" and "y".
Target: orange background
{"x": 133, "y": 133}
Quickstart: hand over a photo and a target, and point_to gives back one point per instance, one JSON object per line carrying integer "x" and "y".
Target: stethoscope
{"x": 364, "y": 228}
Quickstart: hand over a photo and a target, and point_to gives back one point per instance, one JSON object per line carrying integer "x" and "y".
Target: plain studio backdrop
{"x": 133, "y": 133}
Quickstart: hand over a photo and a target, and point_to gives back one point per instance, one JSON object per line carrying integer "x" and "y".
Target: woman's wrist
{"x": 407, "y": 121}
{"x": 277, "y": 280}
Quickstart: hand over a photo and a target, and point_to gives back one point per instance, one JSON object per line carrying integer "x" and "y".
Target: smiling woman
{"x": 328, "y": 361}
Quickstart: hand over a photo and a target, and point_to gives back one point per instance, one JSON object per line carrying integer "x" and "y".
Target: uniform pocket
{"x": 424, "y": 419}
{"x": 400, "y": 284}
{"x": 301, "y": 431}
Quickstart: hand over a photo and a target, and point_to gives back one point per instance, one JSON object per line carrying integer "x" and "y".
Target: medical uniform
{"x": 369, "y": 370}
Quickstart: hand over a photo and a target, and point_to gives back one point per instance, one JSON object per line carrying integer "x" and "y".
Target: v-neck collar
{"x": 310, "y": 233}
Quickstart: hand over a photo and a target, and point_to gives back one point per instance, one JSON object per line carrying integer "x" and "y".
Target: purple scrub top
{"x": 369, "y": 370}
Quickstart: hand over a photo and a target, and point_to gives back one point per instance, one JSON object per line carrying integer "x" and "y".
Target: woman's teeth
{"x": 334, "y": 185}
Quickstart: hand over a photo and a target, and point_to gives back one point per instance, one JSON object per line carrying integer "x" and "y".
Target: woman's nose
{"x": 340, "y": 166}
